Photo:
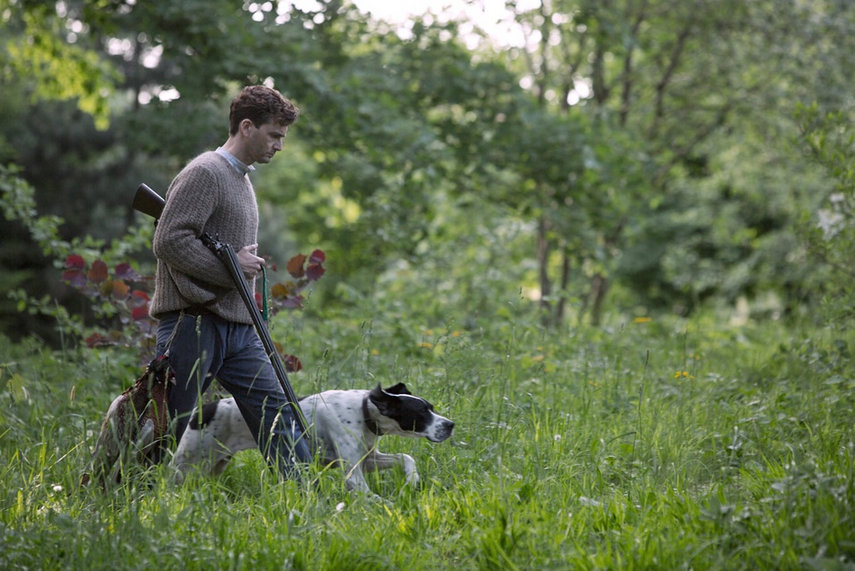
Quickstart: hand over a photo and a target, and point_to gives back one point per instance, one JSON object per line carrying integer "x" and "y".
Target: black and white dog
{"x": 343, "y": 424}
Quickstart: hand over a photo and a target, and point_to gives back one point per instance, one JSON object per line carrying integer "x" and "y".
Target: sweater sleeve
{"x": 192, "y": 198}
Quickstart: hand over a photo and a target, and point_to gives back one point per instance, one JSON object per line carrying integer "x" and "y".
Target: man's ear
{"x": 245, "y": 128}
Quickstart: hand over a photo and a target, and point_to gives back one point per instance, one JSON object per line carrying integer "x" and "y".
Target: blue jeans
{"x": 206, "y": 346}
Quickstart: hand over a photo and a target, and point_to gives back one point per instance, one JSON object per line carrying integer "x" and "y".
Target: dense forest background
{"x": 597, "y": 157}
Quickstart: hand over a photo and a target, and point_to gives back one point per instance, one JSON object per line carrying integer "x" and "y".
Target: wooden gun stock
{"x": 148, "y": 201}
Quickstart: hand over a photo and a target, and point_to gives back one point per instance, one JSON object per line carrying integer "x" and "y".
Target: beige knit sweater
{"x": 208, "y": 195}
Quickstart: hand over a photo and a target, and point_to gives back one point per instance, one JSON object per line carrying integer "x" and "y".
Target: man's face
{"x": 263, "y": 142}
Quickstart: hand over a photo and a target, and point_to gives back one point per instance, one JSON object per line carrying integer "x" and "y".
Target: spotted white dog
{"x": 344, "y": 424}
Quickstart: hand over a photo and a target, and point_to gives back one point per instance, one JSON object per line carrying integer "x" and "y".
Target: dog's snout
{"x": 441, "y": 430}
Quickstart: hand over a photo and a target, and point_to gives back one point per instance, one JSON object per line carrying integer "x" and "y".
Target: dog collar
{"x": 369, "y": 422}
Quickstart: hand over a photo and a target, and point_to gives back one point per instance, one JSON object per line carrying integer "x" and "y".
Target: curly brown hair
{"x": 261, "y": 104}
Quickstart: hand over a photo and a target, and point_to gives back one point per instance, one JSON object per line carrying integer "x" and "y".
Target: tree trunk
{"x": 599, "y": 288}
{"x": 543, "y": 267}
{"x": 565, "y": 284}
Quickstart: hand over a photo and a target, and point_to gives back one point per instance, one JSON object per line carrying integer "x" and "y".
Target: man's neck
{"x": 234, "y": 160}
{"x": 234, "y": 146}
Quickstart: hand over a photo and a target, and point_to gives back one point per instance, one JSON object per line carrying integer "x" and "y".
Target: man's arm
{"x": 190, "y": 202}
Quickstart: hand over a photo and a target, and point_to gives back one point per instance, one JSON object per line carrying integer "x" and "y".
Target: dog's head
{"x": 403, "y": 414}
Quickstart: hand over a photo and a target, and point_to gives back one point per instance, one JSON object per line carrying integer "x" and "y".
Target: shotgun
{"x": 150, "y": 202}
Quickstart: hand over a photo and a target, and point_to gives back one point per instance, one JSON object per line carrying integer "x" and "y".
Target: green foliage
{"x": 53, "y": 67}
{"x": 669, "y": 205}
{"x": 728, "y": 238}
{"x": 830, "y": 232}
{"x": 19, "y": 204}
{"x": 19, "y": 207}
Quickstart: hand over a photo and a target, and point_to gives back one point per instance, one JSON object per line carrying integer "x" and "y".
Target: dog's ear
{"x": 399, "y": 389}
{"x": 376, "y": 393}
{"x": 381, "y": 399}
{"x": 385, "y": 398}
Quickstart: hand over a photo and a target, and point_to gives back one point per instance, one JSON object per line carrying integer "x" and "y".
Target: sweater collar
{"x": 240, "y": 167}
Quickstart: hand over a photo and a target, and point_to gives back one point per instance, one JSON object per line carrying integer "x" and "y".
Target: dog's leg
{"x": 210, "y": 442}
{"x": 193, "y": 452}
{"x": 379, "y": 461}
{"x": 355, "y": 480}
{"x": 348, "y": 454}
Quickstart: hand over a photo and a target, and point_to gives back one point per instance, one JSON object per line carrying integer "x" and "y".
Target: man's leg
{"x": 247, "y": 374}
{"x": 195, "y": 348}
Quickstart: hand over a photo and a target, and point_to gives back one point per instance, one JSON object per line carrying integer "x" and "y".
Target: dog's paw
{"x": 381, "y": 501}
{"x": 413, "y": 479}
{"x": 369, "y": 497}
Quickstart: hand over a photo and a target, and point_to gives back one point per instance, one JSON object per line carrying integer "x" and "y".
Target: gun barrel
{"x": 148, "y": 201}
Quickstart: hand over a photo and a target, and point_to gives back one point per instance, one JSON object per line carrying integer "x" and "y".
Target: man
{"x": 203, "y": 323}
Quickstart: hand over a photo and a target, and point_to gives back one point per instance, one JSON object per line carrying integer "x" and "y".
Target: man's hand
{"x": 249, "y": 262}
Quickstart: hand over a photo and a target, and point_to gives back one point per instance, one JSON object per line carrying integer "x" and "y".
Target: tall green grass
{"x": 645, "y": 444}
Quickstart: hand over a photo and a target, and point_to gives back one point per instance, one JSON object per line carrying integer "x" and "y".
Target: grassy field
{"x": 645, "y": 444}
